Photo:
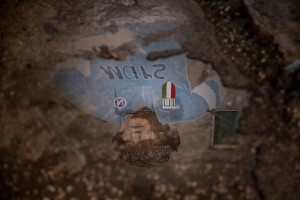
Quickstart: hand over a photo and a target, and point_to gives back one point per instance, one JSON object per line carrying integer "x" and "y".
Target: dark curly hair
{"x": 147, "y": 152}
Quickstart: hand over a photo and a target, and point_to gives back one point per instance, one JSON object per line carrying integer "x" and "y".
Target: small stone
{"x": 69, "y": 188}
{"x": 127, "y": 2}
{"x": 213, "y": 196}
{"x": 120, "y": 193}
{"x": 200, "y": 191}
{"x": 262, "y": 75}
{"x": 156, "y": 177}
{"x": 253, "y": 150}
{"x": 229, "y": 103}
{"x": 194, "y": 184}
{"x": 93, "y": 198}
{"x": 114, "y": 190}
{"x": 227, "y": 8}
{"x": 51, "y": 188}
{"x": 220, "y": 178}
{"x": 79, "y": 20}
{"x": 239, "y": 50}
{"x": 208, "y": 167}
{"x": 190, "y": 197}
{"x": 101, "y": 184}
{"x": 163, "y": 188}
{"x": 77, "y": 179}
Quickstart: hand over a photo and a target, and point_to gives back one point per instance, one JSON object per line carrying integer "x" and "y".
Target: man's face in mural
{"x": 137, "y": 129}
{"x": 143, "y": 140}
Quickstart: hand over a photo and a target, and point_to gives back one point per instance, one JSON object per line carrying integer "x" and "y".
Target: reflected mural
{"x": 142, "y": 97}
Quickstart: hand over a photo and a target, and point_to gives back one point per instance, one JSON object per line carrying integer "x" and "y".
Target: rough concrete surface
{"x": 50, "y": 149}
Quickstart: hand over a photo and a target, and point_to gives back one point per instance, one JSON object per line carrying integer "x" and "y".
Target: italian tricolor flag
{"x": 168, "y": 90}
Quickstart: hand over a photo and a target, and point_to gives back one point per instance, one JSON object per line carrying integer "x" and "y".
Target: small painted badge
{"x": 120, "y": 102}
{"x": 168, "y": 95}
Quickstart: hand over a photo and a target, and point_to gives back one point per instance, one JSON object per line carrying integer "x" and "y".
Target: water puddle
{"x": 164, "y": 106}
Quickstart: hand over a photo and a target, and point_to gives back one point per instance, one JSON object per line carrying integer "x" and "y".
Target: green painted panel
{"x": 224, "y": 128}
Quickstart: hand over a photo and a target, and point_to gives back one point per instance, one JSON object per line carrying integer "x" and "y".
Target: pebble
{"x": 253, "y": 150}
{"x": 156, "y": 177}
{"x": 221, "y": 178}
{"x": 213, "y": 196}
{"x": 200, "y": 191}
{"x": 262, "y": 75}
{"x": 227, "y": 8}
{"x": 208, "y": 167}
{"x": 194, "y": 184}
{"x": 190, "y": 197}
{"x": 11, "y": 93}
{"x": 229, "y": 103}
{"x": 120, "y": 193}
{"x": 163, "y": 188}
{"x": 93, "y": 198}
{"x": 127, "y": 2}
{"x": 51, "y": 188}
{"x": 69, "y": 188}
{"x": 114, "y": 190}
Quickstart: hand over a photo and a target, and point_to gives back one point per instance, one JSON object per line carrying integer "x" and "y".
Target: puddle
{"x": 156, "y": 104}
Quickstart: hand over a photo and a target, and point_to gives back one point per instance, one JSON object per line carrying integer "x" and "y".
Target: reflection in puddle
{"x": 148, "y": 99}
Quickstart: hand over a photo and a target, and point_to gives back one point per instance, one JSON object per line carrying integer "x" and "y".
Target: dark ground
{"x": 51, "y": 150}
